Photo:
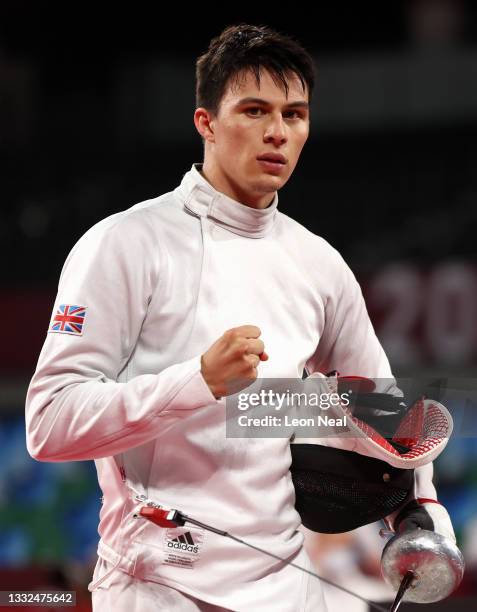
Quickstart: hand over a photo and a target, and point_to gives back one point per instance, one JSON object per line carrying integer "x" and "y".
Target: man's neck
{"x": 260, "y": 202}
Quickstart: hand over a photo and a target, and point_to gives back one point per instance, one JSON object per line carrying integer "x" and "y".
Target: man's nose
{"x": 276, "y": 130}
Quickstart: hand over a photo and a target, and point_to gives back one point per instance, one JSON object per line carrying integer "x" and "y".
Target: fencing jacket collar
{"x": 204, "y": 200}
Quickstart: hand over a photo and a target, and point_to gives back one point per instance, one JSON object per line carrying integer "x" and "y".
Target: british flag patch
{"x": 69, "y": 319}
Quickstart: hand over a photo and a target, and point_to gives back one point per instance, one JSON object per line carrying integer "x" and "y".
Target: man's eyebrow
{"x": 251, "y": 100}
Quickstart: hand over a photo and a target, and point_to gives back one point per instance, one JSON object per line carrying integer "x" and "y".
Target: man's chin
{"x": 270, "y": 183}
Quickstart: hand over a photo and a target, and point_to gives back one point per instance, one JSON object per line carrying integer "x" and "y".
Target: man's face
{"x": 254, "y": 121}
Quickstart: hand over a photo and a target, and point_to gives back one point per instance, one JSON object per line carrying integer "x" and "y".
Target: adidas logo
{"x": 184, "y": 542}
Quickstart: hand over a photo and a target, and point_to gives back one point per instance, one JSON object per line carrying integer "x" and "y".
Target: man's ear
{"x": 204, "y": 122}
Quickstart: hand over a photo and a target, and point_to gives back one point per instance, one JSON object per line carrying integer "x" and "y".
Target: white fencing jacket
{"x": 159, "y": 283}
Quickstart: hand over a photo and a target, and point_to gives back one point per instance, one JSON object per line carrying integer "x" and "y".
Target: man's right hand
{"x": 231, "y": 362}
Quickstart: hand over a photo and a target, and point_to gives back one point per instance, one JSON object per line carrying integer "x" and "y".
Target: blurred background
{"x": 96, "y": 107}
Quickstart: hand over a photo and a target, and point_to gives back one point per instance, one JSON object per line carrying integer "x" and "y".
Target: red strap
{"x": 425, "y": 500}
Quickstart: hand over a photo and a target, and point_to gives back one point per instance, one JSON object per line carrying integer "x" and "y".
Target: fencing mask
{"x": 367, "y": 472}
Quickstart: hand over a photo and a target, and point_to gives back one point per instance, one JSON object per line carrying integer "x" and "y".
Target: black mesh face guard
{"x": 338, "y": 490}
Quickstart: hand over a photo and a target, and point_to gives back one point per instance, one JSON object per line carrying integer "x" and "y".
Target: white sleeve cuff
{"x": 195, "y": 393}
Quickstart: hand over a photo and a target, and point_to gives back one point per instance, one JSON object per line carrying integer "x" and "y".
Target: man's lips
{"x": 273, "y": 164}
{"x": 276, "y": 158}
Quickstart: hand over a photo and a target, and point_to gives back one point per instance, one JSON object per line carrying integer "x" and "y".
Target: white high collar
{"x": 202, "y": 199}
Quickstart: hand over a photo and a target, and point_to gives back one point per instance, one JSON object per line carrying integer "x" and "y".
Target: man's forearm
{"x": 89, "y": 419}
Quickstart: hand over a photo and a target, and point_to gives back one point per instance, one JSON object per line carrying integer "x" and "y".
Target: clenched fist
{"x": 231, "y": 362}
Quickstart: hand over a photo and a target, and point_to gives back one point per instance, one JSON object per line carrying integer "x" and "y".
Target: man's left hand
{"x": 424, "y": 514}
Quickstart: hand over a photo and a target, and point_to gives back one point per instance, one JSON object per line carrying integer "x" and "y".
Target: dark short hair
{"x": 241, "y": 47}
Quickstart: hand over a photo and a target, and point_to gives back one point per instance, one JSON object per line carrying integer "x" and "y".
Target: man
{"x": 160, "y": 308}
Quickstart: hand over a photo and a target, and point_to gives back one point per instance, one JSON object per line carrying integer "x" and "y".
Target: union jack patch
{"x": 69, "y": 319}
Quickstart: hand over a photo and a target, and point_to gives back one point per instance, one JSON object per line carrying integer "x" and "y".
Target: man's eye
{"x": 292, "y": 115}
{"x": 255, "y": 111}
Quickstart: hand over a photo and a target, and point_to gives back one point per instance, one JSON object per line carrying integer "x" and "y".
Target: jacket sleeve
{"x": 75, "y": 407}
{"x": 350, "y": 346}
{"x": 348, "y": 342}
